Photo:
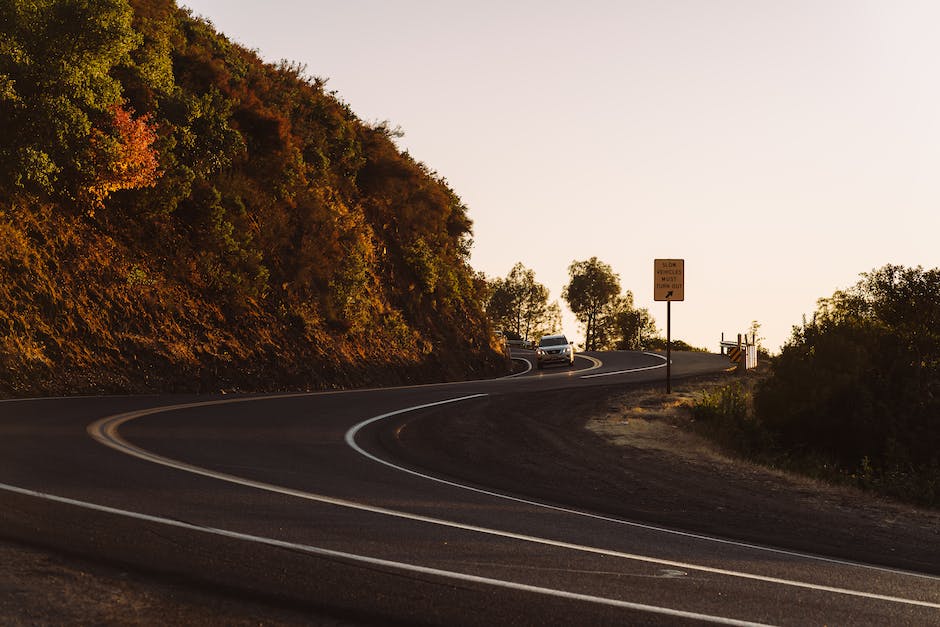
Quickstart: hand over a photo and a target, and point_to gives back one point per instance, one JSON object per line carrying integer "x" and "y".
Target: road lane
{"x": 301, "y": 487}
{"x": 443, "y": 504}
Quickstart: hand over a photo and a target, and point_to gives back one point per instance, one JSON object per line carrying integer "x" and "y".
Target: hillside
{"x": 177, "y": 215}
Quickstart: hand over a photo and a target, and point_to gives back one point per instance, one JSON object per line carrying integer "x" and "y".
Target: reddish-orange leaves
{"x": 124, "y": 154}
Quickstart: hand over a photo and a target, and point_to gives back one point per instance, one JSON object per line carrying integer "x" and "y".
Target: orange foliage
{"x": 274, "y": 241}
{"x": 125, "y": 157}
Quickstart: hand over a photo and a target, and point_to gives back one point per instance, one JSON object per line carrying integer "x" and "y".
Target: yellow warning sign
{"x": 669, "y": 279}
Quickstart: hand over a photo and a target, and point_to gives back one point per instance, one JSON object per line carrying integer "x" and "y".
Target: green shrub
{"x": 859, "y": 385}
{"x": 728, "y": 403}
{"x": 726, "y": 416}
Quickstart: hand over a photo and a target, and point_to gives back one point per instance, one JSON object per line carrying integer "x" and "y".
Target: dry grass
{"x": 651, "y": 419}
{"x": 82, "y": 311}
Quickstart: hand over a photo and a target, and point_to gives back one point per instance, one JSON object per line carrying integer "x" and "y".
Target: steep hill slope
{"x": 176, "y": 214}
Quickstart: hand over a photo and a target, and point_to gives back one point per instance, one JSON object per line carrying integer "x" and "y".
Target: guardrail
{"x": 741, "y": 352}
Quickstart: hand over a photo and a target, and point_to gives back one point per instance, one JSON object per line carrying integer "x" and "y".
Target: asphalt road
{"x": 291, "y": 499}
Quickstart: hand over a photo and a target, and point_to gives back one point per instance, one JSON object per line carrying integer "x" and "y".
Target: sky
{"x": 780, "y": 148}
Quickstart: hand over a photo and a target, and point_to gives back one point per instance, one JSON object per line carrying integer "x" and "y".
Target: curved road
{"x": 286, "y": 498}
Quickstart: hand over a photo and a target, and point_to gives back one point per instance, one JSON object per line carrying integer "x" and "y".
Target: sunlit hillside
{"x": 177, "y": 215}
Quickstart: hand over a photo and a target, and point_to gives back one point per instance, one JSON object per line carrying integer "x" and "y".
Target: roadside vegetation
{"x": 518, "y": 304}
{"x": 610, "y": 319}
{"x": 853, "y": 397}
{"x": 176, "y": 214}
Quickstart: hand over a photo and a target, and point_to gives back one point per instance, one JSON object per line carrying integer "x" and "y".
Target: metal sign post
{"x": 668, "y": 347}
{"x": 668, "y": 285}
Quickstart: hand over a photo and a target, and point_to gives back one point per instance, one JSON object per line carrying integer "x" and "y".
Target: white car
{"x": 554, "y": 349}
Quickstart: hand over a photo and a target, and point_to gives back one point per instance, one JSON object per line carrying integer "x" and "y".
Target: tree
{"x": 754, "y": 333}
{"x": 860, "y": 382}
{"x": 520, "y": 303}
{"x": 125, "y": 158}
{"x": 591, "y": 290}
{"x": 607, "y": 333}
{"x": 56, "y": 90}
{"x": 622, "y": 326}
{"x": 550, "y": 323}
{"x": 259, "y": 224}
{"x": 635, "y": 327}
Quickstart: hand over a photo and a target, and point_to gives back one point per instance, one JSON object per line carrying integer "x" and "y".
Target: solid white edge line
{"x": 105, "y": 431}
{"x": 629, "y": 370}
{"x": 595, "y": 364}
{"x": 28, "y": 399}
{"x": 374, "y": 561}
{"x": 351, "y": 441}
{"x": 519, "y": 374}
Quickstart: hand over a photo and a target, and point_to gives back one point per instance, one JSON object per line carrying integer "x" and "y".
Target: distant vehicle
{"x": 554, "y": 349}
{"x": 515, "y": 340}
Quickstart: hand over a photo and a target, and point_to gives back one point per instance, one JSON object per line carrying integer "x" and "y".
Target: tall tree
{"x": 591, "y": 290}
{"x": 57, "y": 94}
{"x": 627, "y": 327}
{"x": 861, "y": 381}
{"x": 124, "y": 158}
{"x": 550, "y": 323}
{"x": 520, "y": 303}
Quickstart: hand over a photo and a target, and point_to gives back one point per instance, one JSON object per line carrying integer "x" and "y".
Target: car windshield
{"x": 553, "y": 341}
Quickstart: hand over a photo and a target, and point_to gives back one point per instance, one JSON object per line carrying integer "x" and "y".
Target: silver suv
{"x": 554, "y": 349}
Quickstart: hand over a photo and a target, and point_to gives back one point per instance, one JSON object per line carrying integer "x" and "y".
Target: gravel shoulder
{"x": 627, "y": 451}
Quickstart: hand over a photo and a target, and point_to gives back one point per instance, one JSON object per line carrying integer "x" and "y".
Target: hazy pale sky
{"x": 780, "y": 148}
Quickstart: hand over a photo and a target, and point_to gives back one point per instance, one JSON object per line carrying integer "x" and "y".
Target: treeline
{"x": 610, "y": 319}
{"x": 855, "y": 392}
{"x": 175, "y": 213}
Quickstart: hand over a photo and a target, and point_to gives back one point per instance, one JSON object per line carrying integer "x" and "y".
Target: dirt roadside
{"x": 619, "y": 451}
{"x": 624, "y": 451}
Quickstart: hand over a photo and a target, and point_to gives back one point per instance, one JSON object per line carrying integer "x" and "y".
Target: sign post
{"x": 668, "y": 285}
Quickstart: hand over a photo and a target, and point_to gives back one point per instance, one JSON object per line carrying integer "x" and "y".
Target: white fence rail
{"x": 741, "y": 351}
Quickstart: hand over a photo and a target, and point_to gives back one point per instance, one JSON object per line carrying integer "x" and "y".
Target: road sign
{"x": 669, "y": 285}
{"x": 669, "y": 279}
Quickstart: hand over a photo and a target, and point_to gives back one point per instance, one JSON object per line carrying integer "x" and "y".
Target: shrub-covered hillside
{"x": 177, "y": 215}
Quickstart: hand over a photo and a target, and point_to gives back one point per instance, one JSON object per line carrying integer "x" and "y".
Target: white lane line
{"x": 105, "y": 431}
{"x": 351, "y": 441}
{"x": 629, "y": 370}
{"x": 597, "y": 362}
{"x": 526, "y": 371}
{"x": 375, "y": 561}
{"x": 79, "y": 397}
